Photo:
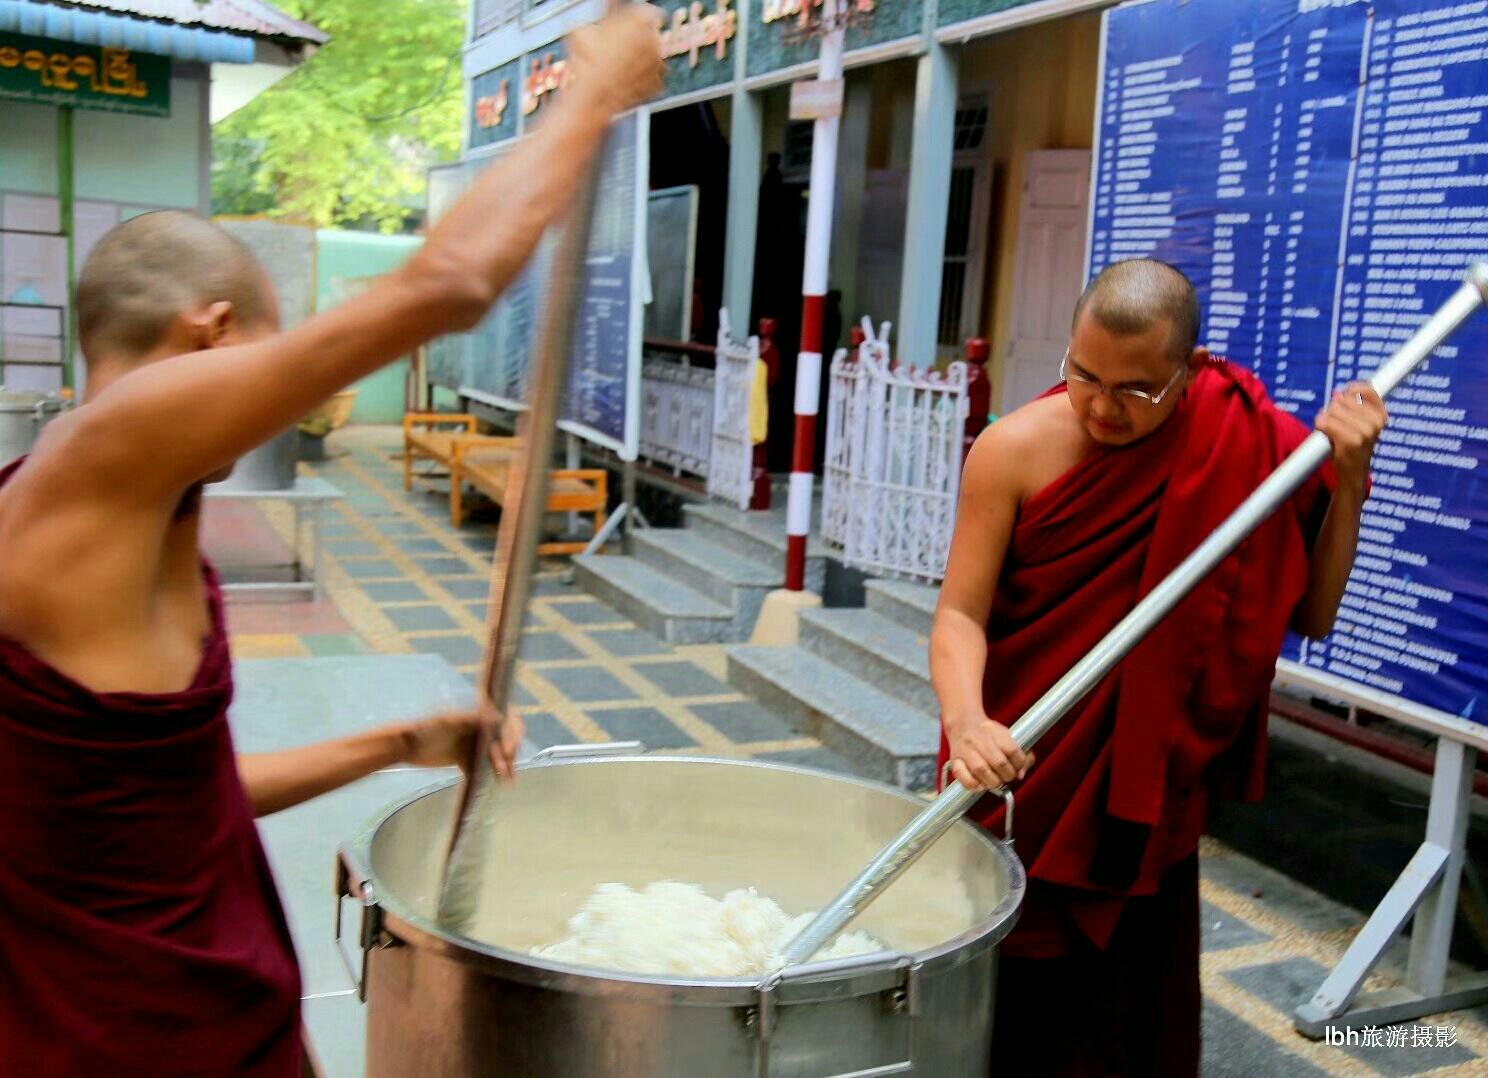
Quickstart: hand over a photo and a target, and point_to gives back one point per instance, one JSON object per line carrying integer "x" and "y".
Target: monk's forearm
{"x": 525, "y": 191}
{"x": 1332, "y": 561}
{"x": 279, "y": 780}
{"x": 958, "y": 663}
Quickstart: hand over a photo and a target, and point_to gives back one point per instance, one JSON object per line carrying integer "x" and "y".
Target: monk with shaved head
{"x": 140, "y": 930}
{"x": 1072, "y": 509}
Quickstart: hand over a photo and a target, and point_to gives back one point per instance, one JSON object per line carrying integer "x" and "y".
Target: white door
{"x": 1048, "y": 270}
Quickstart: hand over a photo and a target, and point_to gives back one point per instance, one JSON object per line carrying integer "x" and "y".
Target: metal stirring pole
{"x": 955, "y": 800}
{"x": 516, "y": 551}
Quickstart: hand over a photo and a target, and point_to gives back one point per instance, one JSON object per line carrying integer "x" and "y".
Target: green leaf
{"x": 348, "y": 137}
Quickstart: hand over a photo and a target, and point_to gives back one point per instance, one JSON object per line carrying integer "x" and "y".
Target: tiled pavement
{"x": 401, "y": 580}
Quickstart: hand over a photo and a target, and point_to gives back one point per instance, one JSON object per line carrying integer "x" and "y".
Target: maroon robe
{"x": 140, "y": 931}
{"x": 1109, "y": 818}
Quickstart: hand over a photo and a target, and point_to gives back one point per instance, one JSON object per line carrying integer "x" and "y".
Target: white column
{"x": 929, "y": 198}
{"x": 746, "y": 142}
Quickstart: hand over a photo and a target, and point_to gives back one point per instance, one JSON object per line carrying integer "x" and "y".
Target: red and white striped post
{"x": 819, "y": 196}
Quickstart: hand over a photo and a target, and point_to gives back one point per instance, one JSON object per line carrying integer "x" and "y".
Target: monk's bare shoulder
{"x": 1025, "y": 450}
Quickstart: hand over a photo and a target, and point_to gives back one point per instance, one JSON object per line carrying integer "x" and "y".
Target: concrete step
{"x": 911, "y": 605}
{"x": 887, "y": 738}
{"x": 757, "y": 536}
{"x": 869, "y": 646}
{"x": 659, "y": 604}
{"x": 725, "y": 576}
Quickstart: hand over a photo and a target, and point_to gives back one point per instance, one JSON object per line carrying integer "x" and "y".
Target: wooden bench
{"x": 434, "y": 435}
{"x": 488, "y": 470}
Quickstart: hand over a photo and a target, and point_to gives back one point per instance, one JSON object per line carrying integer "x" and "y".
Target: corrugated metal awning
{"x": 252, "y": 17}
{"x": 123, "y": 32}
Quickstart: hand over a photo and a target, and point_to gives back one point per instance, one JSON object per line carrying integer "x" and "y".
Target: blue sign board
{"x": 492, "y": 360}
{"x": 1319, "y": 168}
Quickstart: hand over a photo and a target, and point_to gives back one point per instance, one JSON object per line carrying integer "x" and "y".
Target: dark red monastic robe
{"x": 1121, "y": 786}
{"x": 140, "y": 931}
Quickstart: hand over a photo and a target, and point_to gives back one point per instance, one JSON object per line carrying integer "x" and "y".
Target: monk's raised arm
{"x": 168, "y": 424}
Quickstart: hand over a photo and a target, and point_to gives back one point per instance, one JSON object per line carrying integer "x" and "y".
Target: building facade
{"x": 962, "y": 169}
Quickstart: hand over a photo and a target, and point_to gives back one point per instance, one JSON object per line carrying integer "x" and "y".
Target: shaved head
{"x": 1130, "y": 297}
{"x": 148, "y": 270}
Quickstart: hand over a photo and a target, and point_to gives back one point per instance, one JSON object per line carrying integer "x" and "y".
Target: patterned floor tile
{"x": 367, "y": 570}
{"x": 1221, "y": 932}
{"x": 586, "y": 612}
{"x": 419, "y": 618}
{"x": 743, "y": 721}
{"x": 646, "y": 725}
{"x": 420, "y": 545}
{"x": 682, "y": 679}
{"x": 332, "y": 643}
{"x": 398, "y": 592}
{"x": 444, "y": 566}
{"x": 819, "y": 758}
{"x": 545, "y": 731}
{"x": 467, "y": 588}
{"x": 545, "y": 647}
{"x": 268, "y": 646}
{"x": 628, "y": 643}
{"x": 352, "y": 548}
{"x": 1233, "y": 1049}
{"x": 587, "y": 684}
{"x": 459, "y": 650}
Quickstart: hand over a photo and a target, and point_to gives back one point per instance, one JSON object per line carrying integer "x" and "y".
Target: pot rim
{"x": 403, "y": 926}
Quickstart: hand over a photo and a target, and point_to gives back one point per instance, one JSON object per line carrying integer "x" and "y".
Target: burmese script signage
{"x": 546, "y": 71}
{"x": 493, "y": 105}
{"x": 690, "y": 30}
{"x": 46, "y": 72}
{"x": 699, "y": 39}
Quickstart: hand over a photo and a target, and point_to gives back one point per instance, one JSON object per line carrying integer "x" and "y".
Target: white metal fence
{"x": 893, "y": 467}
{"x": 844, "y": 431}
{"x": 677, "y": 415}
{"x": 731, "y": 459}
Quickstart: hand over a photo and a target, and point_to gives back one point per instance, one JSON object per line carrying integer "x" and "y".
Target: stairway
{"x": 701, "y": 583}
{"x": 859, "y": 681}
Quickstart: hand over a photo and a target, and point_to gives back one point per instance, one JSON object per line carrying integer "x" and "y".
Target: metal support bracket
{"x": 1425, "y": 891}
{"x": 351, "y": 883}
{"x": 903, "y": 997}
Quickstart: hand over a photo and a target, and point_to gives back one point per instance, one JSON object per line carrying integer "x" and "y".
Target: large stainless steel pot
{"x": 443, "y": 1004}
{"x": 22, "y": 415}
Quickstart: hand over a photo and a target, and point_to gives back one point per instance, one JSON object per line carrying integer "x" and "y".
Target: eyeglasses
{"x": 1085, "y": 382}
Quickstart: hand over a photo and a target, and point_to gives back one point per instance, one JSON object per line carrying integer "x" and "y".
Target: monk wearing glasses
{"x": 1073, "y": 508}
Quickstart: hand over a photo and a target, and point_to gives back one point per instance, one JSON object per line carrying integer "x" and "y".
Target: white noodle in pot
{"x": 677, "y": 929}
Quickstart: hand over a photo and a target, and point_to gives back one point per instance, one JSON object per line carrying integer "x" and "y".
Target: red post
{"x": 819, "y": 194}
{"x": 978, "y": 391}
{"x": 770, "y": 357}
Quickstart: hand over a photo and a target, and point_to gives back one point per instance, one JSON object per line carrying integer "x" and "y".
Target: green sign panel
{"x": 698, "y": 38}
{"x": 494, "y": 101}
{"x": 953, "y": 11}
{"x": 47, "y": 72}
{"x": 778, "y": 37}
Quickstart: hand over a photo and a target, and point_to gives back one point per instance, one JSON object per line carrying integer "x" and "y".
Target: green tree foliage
{"x": 347, "y": 137}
